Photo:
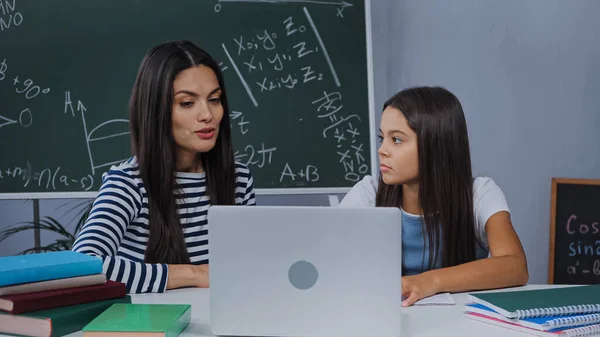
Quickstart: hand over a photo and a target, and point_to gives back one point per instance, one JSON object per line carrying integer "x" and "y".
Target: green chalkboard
{"x": 297, "y": 75}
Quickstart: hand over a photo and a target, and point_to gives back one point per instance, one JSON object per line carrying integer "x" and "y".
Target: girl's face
{"x": 197, "y": 110}
{"x": 398, "y": 154}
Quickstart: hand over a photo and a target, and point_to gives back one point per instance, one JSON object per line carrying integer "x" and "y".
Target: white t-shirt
{"x": 488, "y": 199}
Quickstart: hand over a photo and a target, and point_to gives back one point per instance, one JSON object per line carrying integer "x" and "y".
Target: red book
{"x": 42, "y": 300}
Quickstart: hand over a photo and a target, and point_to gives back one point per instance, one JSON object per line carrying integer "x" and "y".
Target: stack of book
{"x": 54, "y": 294}
{"x": 568, "y": 311}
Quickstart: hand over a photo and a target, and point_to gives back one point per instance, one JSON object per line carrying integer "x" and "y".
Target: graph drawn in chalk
{"x": 98, "y": 135}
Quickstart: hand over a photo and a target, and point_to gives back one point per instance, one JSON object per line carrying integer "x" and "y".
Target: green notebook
{"x": 543, "y": 302}
{"x": 55, "y": 322}
{"x": 152, "y": 320}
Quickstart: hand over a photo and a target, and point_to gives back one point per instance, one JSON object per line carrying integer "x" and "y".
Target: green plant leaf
{"x": 46, "y": 224}
{"x": 5, "y": 234}
{"x": 83, "y": 217}
{"x": 54, "y": 226}
{"x": 50, "y": 224}
{"x": 58, "y": 245}
{"x": 81, "y": 208}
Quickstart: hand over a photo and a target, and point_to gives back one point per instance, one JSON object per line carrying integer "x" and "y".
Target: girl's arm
{"x": 506, "y": 267}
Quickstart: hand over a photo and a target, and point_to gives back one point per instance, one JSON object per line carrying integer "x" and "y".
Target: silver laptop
{"x": 305, "y": 271}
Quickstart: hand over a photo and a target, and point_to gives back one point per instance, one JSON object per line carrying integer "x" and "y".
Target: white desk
{"x": 417, "y": 321}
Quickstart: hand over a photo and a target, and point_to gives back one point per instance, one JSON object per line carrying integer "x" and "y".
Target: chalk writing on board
{"x": 92, "y": 138}
{"x": 280, "y": 49}
{"x": 270, "y": 84}
{"x": 325, "y": 53}
{"x": 239, "y": 119}
{"x": 6, "y": 121}
{"x": 594, "y": 269}
{"x": 9, "y": 17}
{"x": 291, "y": 28}
{"x": 25, "y": 88}
{"x": 582, "y": 243}
{"x": 285, "y": 79}
{"x": 28, "y": 88}
{"x": 97, "y": 134}
{"x": 340, "y": 4}
{"x": 251, "y": 156}
{"x": 275, "y": 59}
{"x": 579, "y": 248}
{"x": 575, "y": 227}
{"x": 241, "y": 77}
{"x": 223, "y": 67}
{"x": 309, "y": 173}
{"x": 51, "y": 179}
{"x": 68, "y": 103}
{"x": 251, "y": 55}
{"x": 25, "y": 119}
{"x": 3, "y": 68}
{"x": 350, "y": 152}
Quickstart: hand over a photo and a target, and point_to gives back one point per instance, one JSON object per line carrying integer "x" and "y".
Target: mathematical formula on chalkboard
{"x": 575, "y": 232}
{"x": 282, "y": 70}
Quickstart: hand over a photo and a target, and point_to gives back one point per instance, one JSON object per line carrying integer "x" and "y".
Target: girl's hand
{"x": 417, "y": 287}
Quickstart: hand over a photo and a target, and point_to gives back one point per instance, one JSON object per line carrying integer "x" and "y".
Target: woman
{"x": 451, "y": 222}
{"x": 148, "y": 222}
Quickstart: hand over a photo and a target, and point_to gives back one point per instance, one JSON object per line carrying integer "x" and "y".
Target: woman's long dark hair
{"x": 153, "y": 144}
{"x": 445, "y": 175}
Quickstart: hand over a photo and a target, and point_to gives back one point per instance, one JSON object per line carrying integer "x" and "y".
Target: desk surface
{"x": 417, "y": 321}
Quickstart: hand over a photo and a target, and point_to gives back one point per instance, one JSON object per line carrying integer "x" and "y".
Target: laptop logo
{"x": 303, "y": 275}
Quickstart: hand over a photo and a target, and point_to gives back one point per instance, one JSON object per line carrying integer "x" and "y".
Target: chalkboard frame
{"x": 552, "y": 248}
{"x": 268, "y": 191}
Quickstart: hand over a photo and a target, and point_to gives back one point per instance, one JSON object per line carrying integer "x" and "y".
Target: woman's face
{"x": 197, "y": 110}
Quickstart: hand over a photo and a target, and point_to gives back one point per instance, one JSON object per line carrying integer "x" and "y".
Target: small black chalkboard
{"x": 575, "y": 232}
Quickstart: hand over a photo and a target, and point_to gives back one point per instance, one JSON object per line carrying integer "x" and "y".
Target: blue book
{"x": 47, "y": 266}
{"x": 547, "y": 323}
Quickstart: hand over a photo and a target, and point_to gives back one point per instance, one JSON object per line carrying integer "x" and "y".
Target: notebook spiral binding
{"x": 558, "y": 311}
{"x": 582, "y": 331}
{"x": 573, "y": 321}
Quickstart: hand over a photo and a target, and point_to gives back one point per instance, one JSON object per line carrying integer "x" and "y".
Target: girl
{"x": 148, "y": 221}
{"x": 451, "y": 222}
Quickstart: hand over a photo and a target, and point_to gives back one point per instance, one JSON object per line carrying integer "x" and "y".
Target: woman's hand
{"x": 187, "y": 275}
{"x": 417, "y": 287}
{"x": 201, "y": 277}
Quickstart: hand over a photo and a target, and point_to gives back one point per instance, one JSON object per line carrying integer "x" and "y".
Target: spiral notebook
{"x": 550, "y": 323}
{"x": 588, "y": 330}
{"x": 541, "y": 303}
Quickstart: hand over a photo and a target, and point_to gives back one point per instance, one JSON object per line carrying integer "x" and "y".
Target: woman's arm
{"x": 506, "y": 267}
{"x": 186, "y": 275}
{"x": 117, "y": 204}
{"x": 249, "y": 197}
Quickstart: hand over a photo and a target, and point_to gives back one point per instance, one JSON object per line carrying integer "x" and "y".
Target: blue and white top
{"x": 117, "y": 227}
{"x": 488, "y": 199}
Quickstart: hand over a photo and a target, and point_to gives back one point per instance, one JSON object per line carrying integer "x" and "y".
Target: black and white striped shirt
{"x": 117, "y": 227}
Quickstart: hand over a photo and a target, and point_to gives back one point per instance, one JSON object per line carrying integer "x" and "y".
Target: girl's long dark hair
{"x": 153, "y": 144}
{"x": 445, "y": 174}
